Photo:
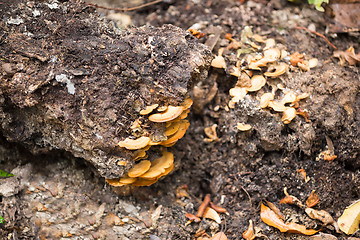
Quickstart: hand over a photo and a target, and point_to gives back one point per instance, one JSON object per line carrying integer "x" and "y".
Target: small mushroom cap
{"x": 144, "y": 182}
{"x": 234, "y": 71}
{"x": 127, "y": 180}
{"x": 184, "y": 114}
{"x": 313, "y": 62}
{"x": 184, "y": 125}
{"x": 173, "y": 128}
{"x": 141, "y": 153}
{"x": 170, "y": 114}
{"x": 279, "y": 70}
{"x": 159, "y": 165}
{"x": 272, "y": 54}
{"x": 162, "y": 109}
{"x": 238, "y": 93}
{"x": 289, "y": 98}
{"x": 257, "y": 82}
{"x": 277, "y": 106}
{"x": 167, "y": 171}
{"x": 115, "y": 182}
{"x": 187, "y": 103}
{"x": 149, "y": 109}
{"x": 265, "y": 99}
{"x": 243, "y": 126}
{"x": 133, "y": 144}
{"x": 139, "y": 169}
{"x": 288, "y": 115}
{"x": 269, "y": 43}
{"x": 218, "y": 62}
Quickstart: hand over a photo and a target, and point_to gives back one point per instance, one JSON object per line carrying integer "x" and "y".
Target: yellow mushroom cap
{"x": 279, "y": 70}
{"x": 133, "y": 144}
{"x": 167, "y": 171}
{"x": 170, "y": 114}
{"x": 139, "y": 169}
{"x": 265, "y": 99}
{"x": 243, "y": 127}
{"x": 277, "y": 106}
{"x": 115, "y": 182}
{"x": 238, "y": 93}
{"x": 149, "y": 109}
{"x": 141, "y": 153}
{"x": 187, "y": 103}
{"x": 184, "y": 125}
{"x": 172, "y": 128}
{"x": 288, "y": 115}
{"x": 184, "y": 114}
{"x": 144, "y": 182}
{"x": 257, "y": 82}
{"x": 159, "y": 165}
{"x": 121, "y": 181}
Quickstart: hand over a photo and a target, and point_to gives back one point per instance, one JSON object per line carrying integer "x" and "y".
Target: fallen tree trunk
{"x": 71, "y": 81}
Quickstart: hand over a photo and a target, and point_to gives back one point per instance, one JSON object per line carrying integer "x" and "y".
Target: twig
{"x": 318, "y": 34}
{"x": 203, "y": 206}
{"x": 125, "y": 9}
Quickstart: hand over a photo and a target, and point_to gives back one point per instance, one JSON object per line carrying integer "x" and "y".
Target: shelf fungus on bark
{"x": 172, "y": 126}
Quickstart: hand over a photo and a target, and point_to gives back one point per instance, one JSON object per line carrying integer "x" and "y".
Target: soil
{"x": 55, "y": 195}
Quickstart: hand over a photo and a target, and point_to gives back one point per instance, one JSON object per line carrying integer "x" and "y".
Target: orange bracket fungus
{"x": 139, "y": 169}
{"x": 170, "y": 114}
{"x": 133, "y": 144}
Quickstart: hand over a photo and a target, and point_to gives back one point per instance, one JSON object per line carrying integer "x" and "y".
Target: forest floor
{"x": 60, "y": 196}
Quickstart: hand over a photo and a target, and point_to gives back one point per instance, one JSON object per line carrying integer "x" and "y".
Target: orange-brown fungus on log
{"x": 139, "y": 169}
{"x": 159, "y": 165}
{"x": 203, "y": 205}
{"x": 295, "y": 58}
{"x": 133, "y": 144}
{"x": 170, "y": 114}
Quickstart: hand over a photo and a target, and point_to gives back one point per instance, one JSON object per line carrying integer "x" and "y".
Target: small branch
{"x": 318, "y": 34}
{"x": 125, "y": 9}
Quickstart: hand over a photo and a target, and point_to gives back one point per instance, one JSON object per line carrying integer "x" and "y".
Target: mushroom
{"x": 257, "y": 82}
{"x": 167, "y": 171}
{"x": 141, "y": 153}
{"x": 171, "y": 113}
{"x": 184, "y": 125}
{"x": 269, "y": 43}
{"x": 184, "y": 114}
{"x": 272, "y": 54}
{"x": 144, "y": 182}
{"x": 277, "y": 106}
{"x": 219, "y": 61}
{"x": 187, "y": 103}
{"x": 172, "y": 128}
{"x": 313, "y": 62}
{"x": 139, "y": 169}
{"x": 265, "y": 99}
{"x": 288, "y": 115}
{"x": 125, "y": 180}
{"x": 133, "y": 144}
{"x": 289, "y": 98}
{"x": 149, "y": 109}
{"x": 162, "y": 108}
{"x": 159, "y": 165}
{"x": 278, "y": 70}
{"x": 243, "y": 127}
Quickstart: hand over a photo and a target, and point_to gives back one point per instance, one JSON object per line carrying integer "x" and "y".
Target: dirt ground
{"x": 55, "y": 195}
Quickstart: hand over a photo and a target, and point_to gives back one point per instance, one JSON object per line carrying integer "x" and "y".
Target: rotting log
{"x": 69, "y": 80}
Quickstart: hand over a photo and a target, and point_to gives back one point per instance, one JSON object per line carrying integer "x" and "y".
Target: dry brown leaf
{"x": 350, "y": 219}
{"x": 272, "y": 219}
{"x": 312, "y": 200}
{"x": 320, "y": 215}
{"x": 249, "y": 234}
{"x": 275, "y": 209}
{"x": 212, "y": 214}
{"x": 219, "y": 236}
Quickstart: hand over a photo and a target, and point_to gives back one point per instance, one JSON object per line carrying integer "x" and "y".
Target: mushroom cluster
{"x": 258, "y": 66}
{"x": 173, "y": 125}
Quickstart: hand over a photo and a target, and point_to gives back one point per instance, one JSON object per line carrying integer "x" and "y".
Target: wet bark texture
{"x": 70, "y": 80}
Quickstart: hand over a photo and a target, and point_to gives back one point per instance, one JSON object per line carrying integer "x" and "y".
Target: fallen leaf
{"x": 275, "y": 209}
{"x": 272, "y": 219}
{"x": 203, "y": 206}
{"x": 219, "y": 236}
{"x": 212, "y": 214}
{"x": 312, "y": 200}
{"x": 320, "y": 215}
{"x": 249, "y": 234}
{"x": 350, "y": 219}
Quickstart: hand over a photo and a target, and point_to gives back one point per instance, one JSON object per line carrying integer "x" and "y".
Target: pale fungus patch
{"x": 159, "y": 165}
{"x": 149, "y": 109}
{"x": 269, "y": 43}
{"x": 133, "y": 144}
{"x": 257, "y": 82}
{"x": 289, "y": 97}
{"x": 265, "y": 99}
{"x": 276, "y": 70}
{"x": 272, "y": 54}
{"x": 243, "y": 126}
{"x": 288, "y": 115}
{"x": 219, "y": 61}
{"x": 313, "y": 62}
{"x": 171, "y": 113}
{"x": 139, "y": 169}
{"x": 277, "y": 106}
